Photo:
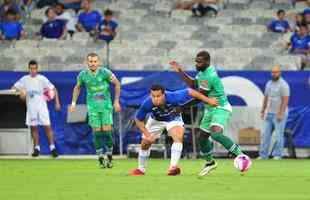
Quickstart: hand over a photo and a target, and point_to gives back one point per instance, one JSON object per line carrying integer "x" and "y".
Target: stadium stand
{"x": 152, "y": 32}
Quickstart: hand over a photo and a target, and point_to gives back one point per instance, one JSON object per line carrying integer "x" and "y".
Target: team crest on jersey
{"x": 204, "y": 83}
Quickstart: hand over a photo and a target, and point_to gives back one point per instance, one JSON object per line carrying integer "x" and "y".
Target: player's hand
{"x": 22, "y": 95}
{"x": 213, "y": 102}
{"x": 57, "y": 106}
{"x": 262, "y": 115}
{"x": 175, "y": 66}
{"x": 117, "y": 106}
{"x": 279, "y": 116}
{"x": 72, "y": 108}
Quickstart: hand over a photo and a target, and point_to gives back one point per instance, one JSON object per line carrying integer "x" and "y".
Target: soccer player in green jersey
{"x": 215, "y": 119}
{"x": 99, "y": 105}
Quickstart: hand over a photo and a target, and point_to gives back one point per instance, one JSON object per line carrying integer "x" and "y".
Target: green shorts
{"x": 218, "y": 117}
{"x": 99, "y": 119}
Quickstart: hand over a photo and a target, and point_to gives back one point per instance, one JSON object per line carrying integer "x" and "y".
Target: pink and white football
{"x": 242, "y": 162}
{"x": 48, "y": 94}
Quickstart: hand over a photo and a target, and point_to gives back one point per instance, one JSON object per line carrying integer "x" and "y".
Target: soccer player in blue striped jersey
{"x": 163, "y": 109}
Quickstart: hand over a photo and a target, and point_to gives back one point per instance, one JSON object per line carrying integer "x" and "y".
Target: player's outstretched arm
{"x": 178, "y": 68}
{"x": 117, "y": 88}
{"x": 57, "y": 101}
{"x": 147, "y": 136}
{"x": 75, "y": 96}
{"x": 197, "y": 95}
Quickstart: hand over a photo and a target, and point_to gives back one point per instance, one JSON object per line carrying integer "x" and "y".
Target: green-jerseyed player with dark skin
{"x": 97, "y": 81}
{"x": 215, "y": 119}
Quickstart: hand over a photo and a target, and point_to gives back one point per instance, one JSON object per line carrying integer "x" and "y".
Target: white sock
{"x": 142, "y": 158}
{"x": 37, "y": 147}
{"x": 176, "y": 151}
{"x": 52, "y": 147}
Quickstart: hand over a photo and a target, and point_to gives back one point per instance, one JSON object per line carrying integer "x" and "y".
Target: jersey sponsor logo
{"x": 33, "y": 93}
{"x": 169, "y": 111}
{"x": 98, "y": 97}
{"x": 204, "y": 83}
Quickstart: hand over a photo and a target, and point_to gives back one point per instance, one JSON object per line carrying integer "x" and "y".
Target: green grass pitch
{"x": 83, "y": 180}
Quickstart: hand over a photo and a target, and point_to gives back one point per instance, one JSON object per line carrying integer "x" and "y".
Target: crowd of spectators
{"x": 59, "y": 22}
{"x": 298, "y": 31}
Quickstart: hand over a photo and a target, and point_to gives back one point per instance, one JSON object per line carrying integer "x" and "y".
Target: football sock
{"x": 98, "y": 142}
{"x": 37, "y": 147}
{"x": 142, "y": 158}
{"x": 52, "y": 147}
{"x": 227, "y": 143}
{"x": 108, "y": 142}
{"x": 206, "y": 148}
{"x": 176, "y": 151}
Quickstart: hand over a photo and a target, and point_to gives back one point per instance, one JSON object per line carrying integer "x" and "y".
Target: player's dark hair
{"x": 92, "y": 55}
{"x": 60, "y": 5}
{"x": 32, "y": 62}
{"x": 205, "y": 55}
{"x": 156, "y": 87}
{"x": 281, "y": 11}
{"x": 108, "y": 12}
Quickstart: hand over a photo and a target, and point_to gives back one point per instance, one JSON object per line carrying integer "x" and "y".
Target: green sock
{"x": 206, "y": 147}
{"x": 108, "y": 141}
{"x": 227, "y": 143}
{"x": 98, "y": 142}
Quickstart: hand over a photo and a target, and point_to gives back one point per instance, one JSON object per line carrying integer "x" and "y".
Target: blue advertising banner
{"x": 244, "y": 88}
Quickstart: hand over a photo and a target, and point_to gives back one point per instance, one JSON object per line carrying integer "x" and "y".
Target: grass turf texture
{"x": 82, "y": 179}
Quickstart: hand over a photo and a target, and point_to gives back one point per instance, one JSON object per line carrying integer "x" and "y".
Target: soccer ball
{"x": 242, "y": 163}
{"x": 48, "y": 94}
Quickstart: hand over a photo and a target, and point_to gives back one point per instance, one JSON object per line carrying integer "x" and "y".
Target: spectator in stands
{"x": 205, "y": 8}
{"x": 199, "y": 7}
{"x": 11, "y": 28}
{"x": 298, "y": 20}
{"x": 53, "y": 28}
{"x": 9, "y": 5}
{"x": 107, "y": 27}
{"x": 67, "y": 17}
{"x": 274, "y": 113}
{"x": 26, "y": 7}
{"x": 279, "y": 25}
{"x": 89, "y": 19}
{"x": 300, "y": 44}
{"x": 306, "y": 15}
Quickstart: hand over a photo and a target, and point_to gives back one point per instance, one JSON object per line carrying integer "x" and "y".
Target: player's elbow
{"x": 192, "y": 92}
{"x": 138, "y": 122}
{"x": 77, "y": 88}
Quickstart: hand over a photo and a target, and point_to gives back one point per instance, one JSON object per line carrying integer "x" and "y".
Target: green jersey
{"x": 97, "y": 88}
{"x": 210, "y": 84}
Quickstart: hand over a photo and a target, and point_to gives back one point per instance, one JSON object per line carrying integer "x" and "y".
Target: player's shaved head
{"x": 92, "y": 55}
{"x": 202, "y": 60}
{"x": 93, "y": 61}
{"x": 276, "y": 72}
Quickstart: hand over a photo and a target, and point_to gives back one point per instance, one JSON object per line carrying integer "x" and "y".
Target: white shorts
{"x": 38, "y": 117}
{"x": 156, "y": 128}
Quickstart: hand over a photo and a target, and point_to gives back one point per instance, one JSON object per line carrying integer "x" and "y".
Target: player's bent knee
{"x": 216, "y": 129}
{"x": 145, "y": 145}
